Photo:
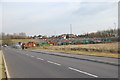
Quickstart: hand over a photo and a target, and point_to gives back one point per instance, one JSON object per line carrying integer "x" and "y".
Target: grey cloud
{"x": 93, "y": 8}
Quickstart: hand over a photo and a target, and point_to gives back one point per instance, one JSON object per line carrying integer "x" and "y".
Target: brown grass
{"x": 112, "y": 55}
{"x": 2, "y": 67}
{"x": 104, "y": 47}
{"x": 22, "y": 40}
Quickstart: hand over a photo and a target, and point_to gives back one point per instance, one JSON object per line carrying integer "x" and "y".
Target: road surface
{"x": 27, "y": 64}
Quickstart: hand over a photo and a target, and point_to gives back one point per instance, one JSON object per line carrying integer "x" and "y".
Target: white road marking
{"x": 54, "y": 63}
{"x": 92, "y": 59}
{"x": 32, "y": 56}
{"x": 40, "y": 58}
{"x": 6, "y": 67}
{"x": 83, "y": 72}
{"x": 26, "y": 54}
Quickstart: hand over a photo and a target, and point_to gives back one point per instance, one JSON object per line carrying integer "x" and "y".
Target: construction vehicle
{"x": 29, "y": 44}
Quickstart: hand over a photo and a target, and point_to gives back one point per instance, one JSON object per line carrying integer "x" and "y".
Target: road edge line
{"x": 6, "y": 68}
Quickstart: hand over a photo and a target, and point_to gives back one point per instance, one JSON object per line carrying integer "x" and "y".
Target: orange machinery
{"x": 30, "y": 44}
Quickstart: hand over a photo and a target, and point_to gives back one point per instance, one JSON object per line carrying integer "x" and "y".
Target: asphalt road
{"x": 26, "y": 64}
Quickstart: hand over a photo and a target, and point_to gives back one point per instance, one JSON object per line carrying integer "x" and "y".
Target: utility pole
{"x": 54, "y": 33}
{"x": 115, "y": 28}
{"x": 115, "y": 25}
{"x": 70, "y": 31}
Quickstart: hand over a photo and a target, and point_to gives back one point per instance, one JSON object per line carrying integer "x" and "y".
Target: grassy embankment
{"x": 2, "y": 67}
{"x": 22, "y": 40}
{"x": 14, "y": 41}
{"x": 103, "y": 50}
{"x": 3, "y": 71}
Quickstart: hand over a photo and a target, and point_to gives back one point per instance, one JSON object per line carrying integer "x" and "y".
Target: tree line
{"x": 21, "y": 35}
{"x": 111, "y": 33}
{"x": 7, "y": 38}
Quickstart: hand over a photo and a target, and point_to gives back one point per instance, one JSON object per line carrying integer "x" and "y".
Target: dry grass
{"x": 112, "y": 55}
{"x": 2, "y": 68}
{"x": 3, "y": 72}
{"x": 22, "y": 40}
{"x": 67, "y": 49}
{"x": 110, "y": 47}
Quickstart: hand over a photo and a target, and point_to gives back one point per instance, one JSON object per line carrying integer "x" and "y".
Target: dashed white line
{"x": 54, "y": 63}
{"x": 40, "y": 58}
{"x": 32, "y": 56}
{"x": 83, "y": 72}
{"x": 92, "y": 59}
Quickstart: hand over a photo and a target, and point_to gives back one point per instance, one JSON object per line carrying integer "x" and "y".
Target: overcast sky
{"x": 54, "y": 18}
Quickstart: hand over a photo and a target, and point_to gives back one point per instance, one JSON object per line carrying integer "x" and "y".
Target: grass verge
{"x": 100, "y": 54}
{"x": 3, "y": 71}
{"x": 22, "y": 40}
{"x": 2, "y": 67}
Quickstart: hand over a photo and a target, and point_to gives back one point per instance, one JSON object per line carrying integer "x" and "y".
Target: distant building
{"x": 65, "y": 36}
